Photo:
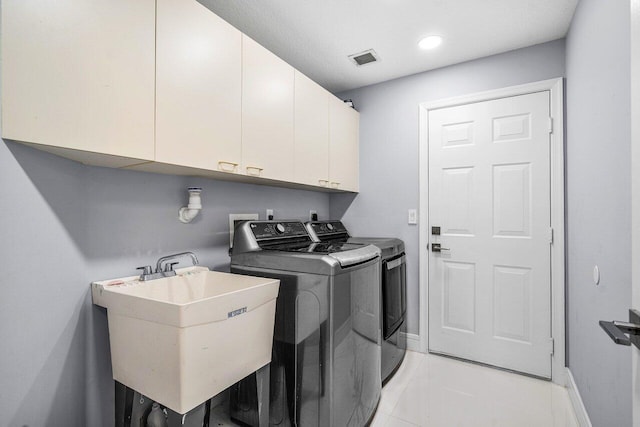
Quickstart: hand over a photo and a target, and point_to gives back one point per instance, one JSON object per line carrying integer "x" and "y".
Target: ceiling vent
{"x": 366, "y": 57}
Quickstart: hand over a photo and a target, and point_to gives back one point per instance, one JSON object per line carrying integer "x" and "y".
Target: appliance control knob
{"x": 330, "y": 227}
{"x": 279, "y": 228}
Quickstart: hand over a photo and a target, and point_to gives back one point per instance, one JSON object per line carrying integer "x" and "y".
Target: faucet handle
{"x": 145, "y": 270}
{"x": 169, "y": 266}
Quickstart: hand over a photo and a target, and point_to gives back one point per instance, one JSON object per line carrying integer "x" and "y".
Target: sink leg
{"x": 262, "y": 384}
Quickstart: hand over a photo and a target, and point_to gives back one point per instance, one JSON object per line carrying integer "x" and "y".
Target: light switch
{"x": 413, "y": 216}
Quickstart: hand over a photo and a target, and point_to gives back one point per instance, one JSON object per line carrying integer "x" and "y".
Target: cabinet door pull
{"x": 335, "y": 184}
{"x": 256, "y": 170}
{"x": 323, "y": 182}
{"x": 227, "y": 166}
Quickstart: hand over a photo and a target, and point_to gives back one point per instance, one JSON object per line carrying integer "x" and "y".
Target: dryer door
{"x": 394, "y": 276}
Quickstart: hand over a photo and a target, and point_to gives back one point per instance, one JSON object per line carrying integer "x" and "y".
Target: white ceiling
{"x": 317, "y": 36}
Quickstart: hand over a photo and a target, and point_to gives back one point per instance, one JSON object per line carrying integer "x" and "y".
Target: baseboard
{"x": 413, "y": 341}
{"x": 576, "y": 401}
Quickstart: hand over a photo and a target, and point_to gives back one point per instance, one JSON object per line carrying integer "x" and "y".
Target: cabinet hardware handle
{"x": 335, "y": 184}
{"x": 258, "y": 171}
{"x": 323, "y": 182}
{"x": 222, "y": 164}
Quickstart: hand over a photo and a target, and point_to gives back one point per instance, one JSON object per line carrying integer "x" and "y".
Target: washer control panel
{"x": 328, "y": 227}
{"x": 268, "y": 230}
{"x": 321, "y": 231}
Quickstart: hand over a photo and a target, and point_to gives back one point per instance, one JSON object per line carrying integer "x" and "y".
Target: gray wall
{"x": 64, "y": 225}
{"x": 599, "y": 204}
{"x": 389, "y": 142}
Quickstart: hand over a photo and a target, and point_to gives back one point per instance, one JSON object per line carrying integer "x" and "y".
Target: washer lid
{"x": 355, "y": 256}
{"x": 346, "y": 254}
{"x": 321, "y": 248}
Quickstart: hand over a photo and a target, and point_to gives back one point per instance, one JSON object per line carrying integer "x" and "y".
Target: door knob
{"x": 437, "y": 247}
{"x": 617, "y": 330}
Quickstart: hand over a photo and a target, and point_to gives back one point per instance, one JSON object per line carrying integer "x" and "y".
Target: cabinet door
{"x": 343, "y": 146}
{"x": 198, "y": 88}
{"x": 267, "y": 113}
{"x": 311, "y": 157}
{"x": 80, "y": 74}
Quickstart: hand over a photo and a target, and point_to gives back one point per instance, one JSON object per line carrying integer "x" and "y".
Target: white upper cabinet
{"x": 79, "y": 75}
{"x": 198, "y": 88}
{"x": 311, "y": 159}
{"x": 167, "y": 86}
{"x": 344, "y": 124}
{"x": 267, "y": 113}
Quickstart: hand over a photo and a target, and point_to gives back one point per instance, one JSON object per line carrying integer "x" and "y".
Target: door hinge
{"x": 550, "y": 236}
{"x": 552, "y": 345}
{"x": 550, "y": 124}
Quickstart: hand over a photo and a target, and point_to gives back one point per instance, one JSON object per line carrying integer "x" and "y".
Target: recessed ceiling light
{"x": 430, "y": 42}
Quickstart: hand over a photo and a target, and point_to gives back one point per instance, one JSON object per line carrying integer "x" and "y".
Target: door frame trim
{"x": 557, "y": 168}
{"x": 635, "y": 194}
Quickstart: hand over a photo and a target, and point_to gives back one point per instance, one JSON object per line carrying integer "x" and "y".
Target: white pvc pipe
{"x": 188, "y": 213}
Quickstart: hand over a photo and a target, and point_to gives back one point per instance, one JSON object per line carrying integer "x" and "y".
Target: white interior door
{"x": 489, "y": 192}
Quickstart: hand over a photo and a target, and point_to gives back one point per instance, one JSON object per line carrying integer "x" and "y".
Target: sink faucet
{"x": 169, "y": 266}
{"x": 167, "y": 271}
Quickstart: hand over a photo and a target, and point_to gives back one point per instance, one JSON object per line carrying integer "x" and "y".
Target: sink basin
{"x": 181, "y": 340}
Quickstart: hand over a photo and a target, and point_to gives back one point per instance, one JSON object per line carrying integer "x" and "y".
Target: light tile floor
{"x": 435, "y": 391}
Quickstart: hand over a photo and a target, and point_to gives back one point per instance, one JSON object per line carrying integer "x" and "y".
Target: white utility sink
{"x": 181, "y": 340}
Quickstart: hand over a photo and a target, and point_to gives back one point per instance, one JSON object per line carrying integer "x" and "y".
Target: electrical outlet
{"x": 269, "y": 214}
{"x": 413, "y": 216}
{"x": 313, "y": 215}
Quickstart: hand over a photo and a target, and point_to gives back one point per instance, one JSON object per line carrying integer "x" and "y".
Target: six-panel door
{"x": 489, "y": 191}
